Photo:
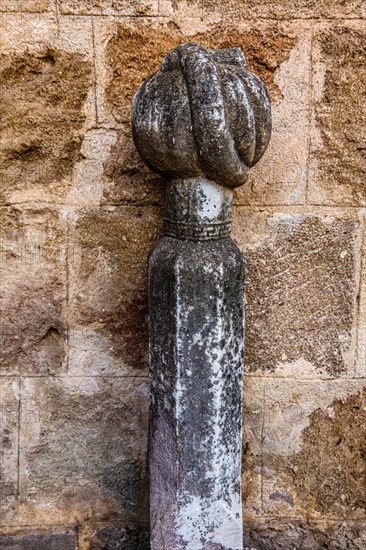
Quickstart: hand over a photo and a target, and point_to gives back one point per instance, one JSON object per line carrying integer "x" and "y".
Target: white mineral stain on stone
{"x": 217, "y": 518}
{"x": 255, "y": 89}
{"x": 213, "y": 349}
{"x": 15, "y": 388}
{"x": 330, "y": 411}
{"x": 214, "y": 520}
{"x": 90, "y": 353}
{"x": 211, "y": 205}
{"x": 301, "y": 368}
{"x": 280, "y": 219}
{"x": 178, "y": 389}
{"x": 97, "y": 144}
{"x": 155, "y": 125}
{"x": 88, "y": 174}
{"x": 80, "y": 386}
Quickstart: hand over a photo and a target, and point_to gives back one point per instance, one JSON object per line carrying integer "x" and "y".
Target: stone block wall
{"x": 79, "y": 212}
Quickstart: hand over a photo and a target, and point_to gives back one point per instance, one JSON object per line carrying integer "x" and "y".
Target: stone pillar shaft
{"x": 196, "y": 278}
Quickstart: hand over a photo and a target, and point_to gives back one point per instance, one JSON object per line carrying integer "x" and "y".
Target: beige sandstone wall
{"x": 79, "y": 212}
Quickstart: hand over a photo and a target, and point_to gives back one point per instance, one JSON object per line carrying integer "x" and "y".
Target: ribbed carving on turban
{"x": 202, "y": 114}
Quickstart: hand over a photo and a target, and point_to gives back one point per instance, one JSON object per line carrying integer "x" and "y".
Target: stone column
{"x": 201, "y": 121}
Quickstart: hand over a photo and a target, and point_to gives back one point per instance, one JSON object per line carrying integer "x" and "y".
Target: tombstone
{"x": 201, "y": 121}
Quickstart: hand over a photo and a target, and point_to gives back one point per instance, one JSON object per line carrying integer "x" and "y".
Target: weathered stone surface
{"x": 339, "y": 141}
{"x": 281, "y": 176}
{"x": 278, "y": 9}
{"x": 35, "y": 6}
{"x": 309, "y": 458}
{"x": 88, "y": 180}
{"x": 333, "y": 449}
{"x": 301, "y": 291}
{"x": 252, "y": 447}
{"x": 129, "y": 179}
{"x": 83, "y": 450}
{"x": 25, "y": 31}
{"x": 138, "y": 8}
{"x": 308, "y": 535}
{"x": 9, "y": 448}
{"x": 361, "y": 343}
{"x": 40, "y": 541}
{"x": 118, "y": 538}
{"x": 42, "y": 98}
{"x": 33, "y": 291}
{"x": 33, "y": 34}
{"x": 108, "y": 252}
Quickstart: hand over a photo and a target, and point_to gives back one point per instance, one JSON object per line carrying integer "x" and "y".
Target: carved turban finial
{"x": 202, "y": 114}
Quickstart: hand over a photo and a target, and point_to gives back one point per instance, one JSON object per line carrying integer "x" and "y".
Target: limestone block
{"x": 21, "y": 30}
{"x": 66, "y": 540}
{"x": 123, "y": 60}
{"x": 32, "y": 6}
{"x": 278, "y": 9}
{"x": 103, "y": 29}
{"x": 285, "y": 534}
{"x": 253, "y": 411}
{"x": 83, "y": 452}
{"x": 301, "y": 292}
{"x": 129, "y": 181}
{"x": 361, "y": 345}
{"x": 88, "y": 180}
{"x": 140, "y": 8}
{"x": 46, "y": 105}
{"x": 339, "y": 127}
{"x": 75, "y": 35}
{"x": 9, "y": 430}
{"x": 313, "y": 435}
{"x": 281, "y": 176}
{"x": 115, "y": 536}
{"x": 108, "y": 255}
{"x": 33, "y": 291}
